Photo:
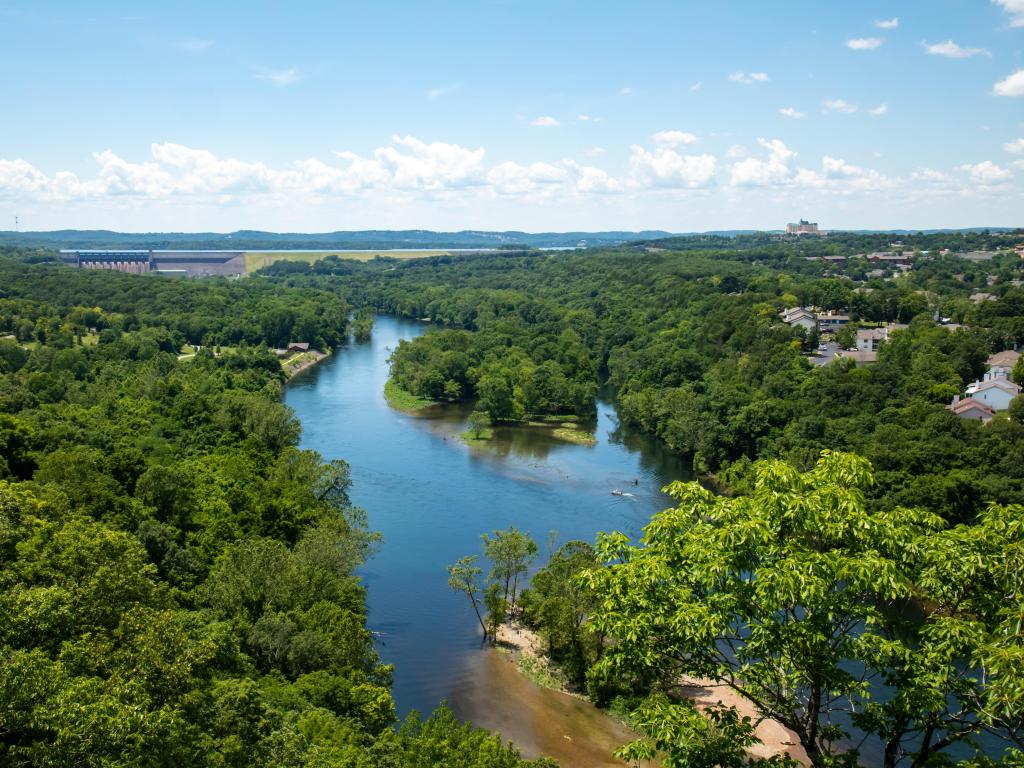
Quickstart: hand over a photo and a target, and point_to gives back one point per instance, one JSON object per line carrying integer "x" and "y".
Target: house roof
{"x": 303, "y": 345}
{"x": 1005, "y": 359}
{"x": 858, "y": 356}
{"x": 1003, "y": 384}
{"x": 880, "y": 333}
{"x": 796, "y": 313}
{"x": 967, "y": 404}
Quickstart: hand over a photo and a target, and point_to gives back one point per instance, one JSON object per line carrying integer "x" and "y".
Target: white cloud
{"x": 864, "y": 43}
{"x": 839, "y": 105}
{"x": 584, "y": 118}
{"x": 951, "y": 50}
{"x": 749, "y": 78}
{"x": 888, "y": 23}
{"x": 440, "y": 91}
{"x": 929, "y": 175}
{"x": 735, "y": 151}
{"x": 194, "y": 45}
{"x": 776, "y": 169}
{"x": 880, "y": 110}
{"x": 839, "y": 175}
{"x": 1016, "y": 10}
{"x": 1015, "y": 147}
{"x": 596, "y": 151}
{"x": 792, "y": 113}
{"x": 697, "y": 86}
{"x": 625, "y": 91}
{"x": 779, "y": 169}
{"x": 986, "y": 173}
{"x": 1011, "y": 85}
{"x": 514, "y": 179}
{"x": 665, "y": 167}
{"x": 673, "y": 138}
{"x": 544, "y": 121}
{"x": 432, "y": 166}
{"x": 407, "y": 166}
{"x": 280, "y": 78}
{"x": 590, "y": 180}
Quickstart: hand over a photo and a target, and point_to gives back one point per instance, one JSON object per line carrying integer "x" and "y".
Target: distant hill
{"x": 364, "y": 239}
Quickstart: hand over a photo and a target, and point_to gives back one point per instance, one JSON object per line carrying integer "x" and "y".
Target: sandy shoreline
{"x": 775, "y": 738}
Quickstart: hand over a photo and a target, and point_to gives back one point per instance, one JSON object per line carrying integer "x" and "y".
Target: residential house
{"x": 1000, "y": 365}
{"x": 799, "y": 316}
{"x": 831, "y": 321}
{"x": 868, "y": 339}
{"x": 969, "y": 408}
{"x": 978, "y": 298}
{"x": 995, "y": 393}
{"x": 902, "y": 258}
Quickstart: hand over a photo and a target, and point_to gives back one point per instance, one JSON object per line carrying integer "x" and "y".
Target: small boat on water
{"x": 616, "y": 492}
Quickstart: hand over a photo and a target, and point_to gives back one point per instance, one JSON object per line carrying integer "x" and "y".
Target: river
{"x": 432, "y": 497}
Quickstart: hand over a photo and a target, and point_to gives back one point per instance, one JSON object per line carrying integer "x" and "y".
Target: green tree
{"x": 511, "y": 552}
{"x": 464, "y": 577}
{"x": 479, "y": 421}
{"x": 792, "y": 597}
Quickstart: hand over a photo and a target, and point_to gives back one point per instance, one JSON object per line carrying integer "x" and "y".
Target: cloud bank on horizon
{"x": 869, "y": 120}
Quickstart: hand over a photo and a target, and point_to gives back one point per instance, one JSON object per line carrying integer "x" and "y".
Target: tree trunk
{"x": 476, "y": 610}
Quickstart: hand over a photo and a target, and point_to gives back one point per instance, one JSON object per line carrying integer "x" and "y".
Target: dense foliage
{"x": 176, "y": 576}
{"x": 886, "y": 632}
{"x": 693, "y": 344}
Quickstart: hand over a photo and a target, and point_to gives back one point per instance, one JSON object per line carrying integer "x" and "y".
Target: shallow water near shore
{"x": 431, "y": 497}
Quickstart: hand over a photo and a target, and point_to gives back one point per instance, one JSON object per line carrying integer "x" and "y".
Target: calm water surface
{"x": 432, "y": 497}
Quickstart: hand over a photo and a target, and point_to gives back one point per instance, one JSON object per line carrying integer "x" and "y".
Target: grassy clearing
{"x": 553, "y": 418}
{"x": 570, "y": 434}
{"x": 257, "y": 260}
{"x": 404, "y": 401}
{"x": 540, "y": 672}
{"x": 470, "y": 439}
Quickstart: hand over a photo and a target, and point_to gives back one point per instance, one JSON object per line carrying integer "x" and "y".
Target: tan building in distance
{"x": 803, "y": 227}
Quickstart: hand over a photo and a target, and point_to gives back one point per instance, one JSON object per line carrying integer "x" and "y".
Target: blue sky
{"x": 512, "y": 114}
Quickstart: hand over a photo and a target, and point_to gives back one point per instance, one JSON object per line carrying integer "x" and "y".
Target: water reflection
{"x": 431, "y": 497}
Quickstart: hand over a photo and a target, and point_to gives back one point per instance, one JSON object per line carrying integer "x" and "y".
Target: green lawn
{"x": 256, "y": 260}
{"x": 402, "y": 400}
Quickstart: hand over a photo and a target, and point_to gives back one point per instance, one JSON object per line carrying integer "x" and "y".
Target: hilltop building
{"x": 803, "y": 227}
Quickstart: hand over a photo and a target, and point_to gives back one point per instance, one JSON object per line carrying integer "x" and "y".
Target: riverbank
{"x": 540, "y": 720}
{"x": 527, "y": 650}
{"x": 301, "y": 362}
{"x": 403, "y": 400}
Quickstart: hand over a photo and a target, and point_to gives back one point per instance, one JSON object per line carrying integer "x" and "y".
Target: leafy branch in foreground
{"x": 859, "y": 631}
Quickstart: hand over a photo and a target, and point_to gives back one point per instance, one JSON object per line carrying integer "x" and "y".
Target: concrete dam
{"x": 185, "y": 263}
